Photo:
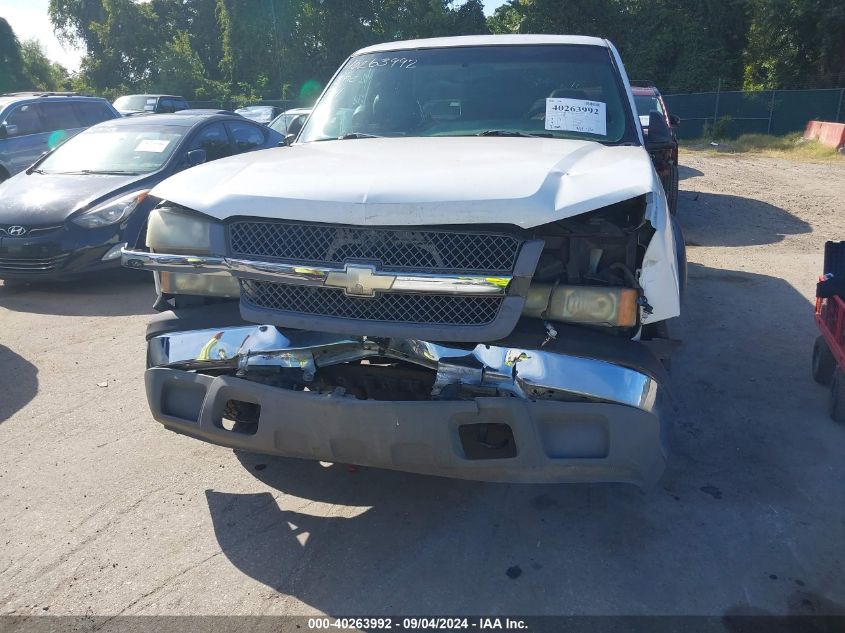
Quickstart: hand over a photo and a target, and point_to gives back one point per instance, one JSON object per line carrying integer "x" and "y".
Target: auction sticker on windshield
{"x": 152, "y": 145}
{"x": 576, "y": 115}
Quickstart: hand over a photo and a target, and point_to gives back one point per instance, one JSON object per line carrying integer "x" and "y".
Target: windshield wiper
{"x": 513, "y": 133}
{"x": 354, "y": 135}
{"x": 104, "y": 172}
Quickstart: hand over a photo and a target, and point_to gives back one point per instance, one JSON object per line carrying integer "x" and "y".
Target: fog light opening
{"x": 114, "y": 252}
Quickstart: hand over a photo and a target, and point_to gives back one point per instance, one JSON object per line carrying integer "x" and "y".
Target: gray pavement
{"x": 103, "y": 512}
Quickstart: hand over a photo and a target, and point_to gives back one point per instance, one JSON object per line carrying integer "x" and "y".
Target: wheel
{"x": 824, "y": 364}
{"x": 672, "y": 194}
{"x": 837, "y": 397}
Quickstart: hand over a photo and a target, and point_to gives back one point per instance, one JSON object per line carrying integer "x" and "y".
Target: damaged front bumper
{"x": 494, "y": 413}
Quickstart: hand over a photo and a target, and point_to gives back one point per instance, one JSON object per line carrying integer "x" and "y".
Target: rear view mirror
{"x": 659, "y": 134}
{"x": 197, "y": 157}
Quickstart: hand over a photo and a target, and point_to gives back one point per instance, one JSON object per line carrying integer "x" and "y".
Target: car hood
{"x": 47, "y": 199}
{"x": 417, "y": 181}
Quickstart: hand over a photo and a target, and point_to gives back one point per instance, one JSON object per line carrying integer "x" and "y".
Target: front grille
{"x": 32, "y": 265}
{"x": 423, "y": 250}
{"x": 388, "y": 307}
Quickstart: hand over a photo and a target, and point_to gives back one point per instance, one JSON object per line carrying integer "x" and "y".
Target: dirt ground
{"x": 103, "y": 512}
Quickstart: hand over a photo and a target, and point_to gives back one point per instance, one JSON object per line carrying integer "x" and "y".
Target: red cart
{"x": 829, "y": 349}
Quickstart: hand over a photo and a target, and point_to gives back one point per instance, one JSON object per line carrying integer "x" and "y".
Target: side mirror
{"x": 675, "y": 120}
{"x": 7, "y": 130}
{"x": 659, "y": 133}
{"x": 197, "y": 157}
{"x": 289, "y": 139}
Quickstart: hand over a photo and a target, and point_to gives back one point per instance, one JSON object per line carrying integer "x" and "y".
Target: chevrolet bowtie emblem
{"x": 360, "y": 281}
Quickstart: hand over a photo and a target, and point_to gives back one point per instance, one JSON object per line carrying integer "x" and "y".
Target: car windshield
{"x": 261, "y": 114}
{"x": 560, "y": 91}
{"x": 647, "y": 103}
{"x": 115, "y": 149}
{"x": 136, "y": 102}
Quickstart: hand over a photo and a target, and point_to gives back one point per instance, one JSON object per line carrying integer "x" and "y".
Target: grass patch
{"x": 788, "y": 146}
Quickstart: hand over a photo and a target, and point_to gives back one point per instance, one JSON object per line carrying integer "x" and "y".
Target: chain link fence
{"x": 758, "y": 112}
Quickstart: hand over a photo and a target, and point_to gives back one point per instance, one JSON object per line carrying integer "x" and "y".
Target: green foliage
{"x": 11, "y": 61}
{"x": 716, "y": 130}
{"x": 39, "y": 72}
{"x": 796, "y": 43}
{"x": 248, "y": 50}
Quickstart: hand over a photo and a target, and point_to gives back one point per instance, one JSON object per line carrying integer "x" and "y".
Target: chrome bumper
{"x": 527, "y": 374}
{"x": 314, "y": 275}
{"x": 570, "y": 419}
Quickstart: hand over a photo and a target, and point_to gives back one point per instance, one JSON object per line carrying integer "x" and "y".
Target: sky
{"x": 29, "y": 20}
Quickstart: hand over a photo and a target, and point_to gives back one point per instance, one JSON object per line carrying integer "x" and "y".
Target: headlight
{"x": 110, "y": 212}
{"x": 174, "y": 230}
{"x": 590, "y": 305}
{"x": 200, "y": 285}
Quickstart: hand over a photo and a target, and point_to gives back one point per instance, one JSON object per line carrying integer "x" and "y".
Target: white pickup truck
{"x": 461, "y": 266}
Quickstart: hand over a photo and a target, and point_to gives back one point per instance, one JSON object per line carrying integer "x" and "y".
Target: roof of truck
{"x": 483, "y": 40}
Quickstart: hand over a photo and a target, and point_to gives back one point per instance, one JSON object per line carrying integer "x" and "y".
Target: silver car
{"x": 33, "y": 123}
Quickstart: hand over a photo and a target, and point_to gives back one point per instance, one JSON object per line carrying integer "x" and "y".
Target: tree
{"x": 39, "y": 72}
{"x": 796, "y": 43}
{"x": 11, "y": 62}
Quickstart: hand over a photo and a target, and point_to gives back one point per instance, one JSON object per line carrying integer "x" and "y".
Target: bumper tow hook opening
{"x": 487, "y": 440}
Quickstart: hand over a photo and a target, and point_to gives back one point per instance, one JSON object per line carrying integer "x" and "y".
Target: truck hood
{"x": 417, "y": 181}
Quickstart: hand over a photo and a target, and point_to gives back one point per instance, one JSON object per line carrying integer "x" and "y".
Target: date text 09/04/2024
{"x": 416, "y": 624}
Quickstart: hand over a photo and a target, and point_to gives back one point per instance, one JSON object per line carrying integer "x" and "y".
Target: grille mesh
{"x": 387, "y": 307}
{"x": 394, "y": 249}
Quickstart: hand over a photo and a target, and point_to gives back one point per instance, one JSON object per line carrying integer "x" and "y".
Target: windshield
{"x": 136, "y": 102}
{"x": 647, "y": 103}
{"x": 123, "y": 149}
{"x": 261, "y": 114}
{"x": 561, "y": 91}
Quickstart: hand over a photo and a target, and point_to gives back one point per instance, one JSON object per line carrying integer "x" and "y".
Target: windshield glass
{"x": 123, "y": 149}
{"x": 647, "y": 103}
{"x": 563, "y": 91}
{"x": 262, "y": 114}
{"x": 136, "y": 102}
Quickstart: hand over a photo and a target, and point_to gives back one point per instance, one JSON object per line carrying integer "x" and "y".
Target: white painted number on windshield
{"x": 405, "y": 63}
{"x": 576, "y": 115}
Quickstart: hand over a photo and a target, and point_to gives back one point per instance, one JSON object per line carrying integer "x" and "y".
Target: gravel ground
{"x": 103, "y": 512}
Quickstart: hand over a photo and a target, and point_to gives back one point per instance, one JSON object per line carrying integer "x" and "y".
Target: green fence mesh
{"x": 762, "y": 112}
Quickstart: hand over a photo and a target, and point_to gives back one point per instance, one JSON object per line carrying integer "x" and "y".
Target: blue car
{"x": 73, "y": 209}
{"x": 32, "y": 123}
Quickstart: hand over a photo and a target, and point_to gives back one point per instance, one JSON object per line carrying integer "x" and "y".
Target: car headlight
{"x": 176, "y": 230}
{"x": 589, "y": 305}
{"x": 110, "y": 212}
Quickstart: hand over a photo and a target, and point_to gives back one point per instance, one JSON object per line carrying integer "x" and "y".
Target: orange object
{"x": 827, "y": 132}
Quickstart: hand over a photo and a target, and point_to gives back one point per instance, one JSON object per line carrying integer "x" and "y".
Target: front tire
{"x": 836, "y": 407}
{"x": 672, "y": 193}
{"x": 824, "y": 364}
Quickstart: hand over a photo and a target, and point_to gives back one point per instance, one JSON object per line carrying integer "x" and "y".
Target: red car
{"x": 647, "y": 99}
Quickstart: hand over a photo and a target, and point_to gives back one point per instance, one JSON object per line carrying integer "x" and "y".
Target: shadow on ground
{"x": 711, "y": 219}
{"x": 685, "y": 172}
{"x": 748, "y": 512}
{"x": 18, "y": 382}
{"x": 113, "y": 293}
